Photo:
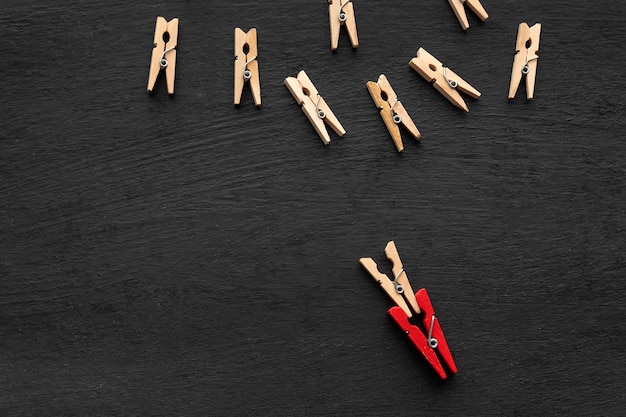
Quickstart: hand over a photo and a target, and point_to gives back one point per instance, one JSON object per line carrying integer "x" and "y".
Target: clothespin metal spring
{"x": 246, "y": 72}
{"x": 432, "y": 342}
{"x": 163, "y": 61}
{"x": 452, "y": 83}
{"x": 320, "y": 113}
{"x": 399, "y": 287}
{"x": 342, "y": 16}
{"x": 397, "y": 119}
{"x": 526, "y": 68}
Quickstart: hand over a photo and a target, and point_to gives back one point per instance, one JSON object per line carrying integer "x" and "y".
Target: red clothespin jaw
{"x": 429, "y": 345}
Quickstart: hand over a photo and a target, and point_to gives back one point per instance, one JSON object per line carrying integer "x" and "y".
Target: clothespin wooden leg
{"x": 157, "y": 51}
{"x": 478, "y": 9}
{"x": 335, "y": 25}
{"x": 351, "y": 25}
{"x": 170, "y": 56}
{"x": 240, "y": 64}
{"x": 530, "y": 79}
{"x": 255, "y": 82}
{"x": 432, "y": 325}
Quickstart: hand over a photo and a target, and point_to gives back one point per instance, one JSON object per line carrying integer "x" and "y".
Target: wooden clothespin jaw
{"x": 164, "y": 53}
{"x": 314, "y": 106}
{"x": 392, "y": 111}
{"x": 444, "y": 79}
{"x": 341, "y": 13}
{"x": 246, "y": 65}
{"x": 400, "y": 291}
{"x": 525, "y": 60}
{"x": 459, "y": 11}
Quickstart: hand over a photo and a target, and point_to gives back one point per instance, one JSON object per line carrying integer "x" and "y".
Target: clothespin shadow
{"x": 448, "y": 83}
{"x": 246, "y": 69}
{"x": 341, "y": 14}
{"x": 458, "y": 7}
{"x": 392, "y": 111}
{"x": 431, "y": 341}
{"x": 314, "y": 106}
{"x": 164, "y": 53}
{"x": 525, "y": 59}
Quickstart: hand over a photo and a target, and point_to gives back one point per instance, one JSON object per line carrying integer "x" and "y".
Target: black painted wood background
{"x": 179, "y": 256}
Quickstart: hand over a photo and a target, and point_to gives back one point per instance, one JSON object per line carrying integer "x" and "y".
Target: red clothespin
{"x": 433, "y": 344}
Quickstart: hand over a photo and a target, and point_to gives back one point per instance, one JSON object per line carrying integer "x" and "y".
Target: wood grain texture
{"x": 178, "y": 256}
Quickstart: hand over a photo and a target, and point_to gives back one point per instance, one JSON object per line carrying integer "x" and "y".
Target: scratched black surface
{"x": 179, "y": 256}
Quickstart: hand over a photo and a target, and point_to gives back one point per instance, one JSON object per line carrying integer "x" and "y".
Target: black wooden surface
{"x": 179, "y": 256}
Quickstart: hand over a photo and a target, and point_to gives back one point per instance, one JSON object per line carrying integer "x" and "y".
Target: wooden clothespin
{"x": 391, "y": 110}
{"x": 340, "y": 13}
{"x": 525, "y": 60}
{"x": 433, "y": 341}
{"x": 164, "y": 53}
{"x": 398, "y": 288}
{"x": 459, "y": 11}
{"x": 314, "y": 106}
{"x": 443, "y": 78}
{"x": 246, "y": 65}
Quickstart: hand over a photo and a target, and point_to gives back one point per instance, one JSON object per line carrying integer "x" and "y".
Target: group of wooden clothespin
{"x": 341, "y": 14}
{"x": 432, "y": 343}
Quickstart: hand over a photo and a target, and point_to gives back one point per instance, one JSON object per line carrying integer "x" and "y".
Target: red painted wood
{"x": 428, "y": 312}
{"x": 418, "y": 339}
